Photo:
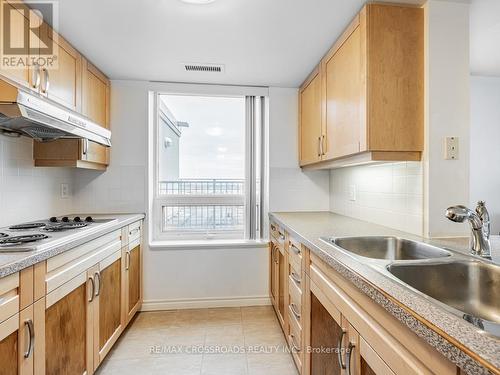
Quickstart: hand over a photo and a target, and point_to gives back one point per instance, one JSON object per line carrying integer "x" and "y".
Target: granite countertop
{"x": 14, "y": 262}
{"x": 468, "y": 347}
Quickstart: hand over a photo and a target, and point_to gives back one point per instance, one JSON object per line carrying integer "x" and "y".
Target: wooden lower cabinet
{"x": 132, "y": 260}
{"x": 68, "y": 336}
{"x": 279, "y": 276}
{"x": 107, "y": 323}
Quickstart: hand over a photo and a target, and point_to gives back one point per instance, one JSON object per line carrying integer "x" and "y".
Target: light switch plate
{"x": 451, "y": 148}
{"x": 64, "y": 191}
{"x": 352, "y": 192}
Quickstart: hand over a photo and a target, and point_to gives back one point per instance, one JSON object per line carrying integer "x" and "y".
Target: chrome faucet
{"x": 479, "y": 240}
{"x": 484, "y": 215}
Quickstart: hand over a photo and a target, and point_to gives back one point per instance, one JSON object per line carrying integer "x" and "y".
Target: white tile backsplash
{"x": 26, "y": 192}
{"x": 387, "y": 194}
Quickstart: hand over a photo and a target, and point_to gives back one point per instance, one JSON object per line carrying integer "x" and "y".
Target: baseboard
{"x": 196, "y": 303}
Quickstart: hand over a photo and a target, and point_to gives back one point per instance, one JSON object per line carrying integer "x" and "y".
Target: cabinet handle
{"x": 295, "y": 310}
{"x": 292, "y": 343}
{"x": 273, "y": 227}
{"x": 35, "y": 77}
{"x": 31, "y": 343}
{"x": 45, "y": 87}
{"x": 281, "y": 235}
{"x": 350, "y": 349}
{"x": 339, "y": 352}
{"x": 91, "y": 298}
{"x": 133, "y": 231}
{"x": 127, "y": 260}
{"x": 295, "y": 249}
{"x": 97, "y": 275}
{"x": 323, "y": 145}
{"x": 319, "y": 146}
{"x": 85, "y": 146}
{"x": 295, "y": 277}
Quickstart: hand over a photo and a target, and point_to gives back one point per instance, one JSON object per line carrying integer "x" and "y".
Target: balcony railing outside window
{"x": 214, "y": 206}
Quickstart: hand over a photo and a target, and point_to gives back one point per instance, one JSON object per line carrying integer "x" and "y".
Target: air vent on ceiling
{"x": 204, "y": 68}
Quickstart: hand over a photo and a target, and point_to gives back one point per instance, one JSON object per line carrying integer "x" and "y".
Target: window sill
{"x": 207, "y": 244}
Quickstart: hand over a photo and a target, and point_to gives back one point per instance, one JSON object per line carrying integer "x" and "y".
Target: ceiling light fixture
{"x": 198, "y": 2}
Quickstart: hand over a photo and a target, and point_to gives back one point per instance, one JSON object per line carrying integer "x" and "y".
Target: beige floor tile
{"x": 187, "y": 342}
{"x": 271, "y": 364}
{"x": 224, "y": 364}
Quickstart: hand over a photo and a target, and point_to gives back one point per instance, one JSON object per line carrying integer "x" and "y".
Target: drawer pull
{"x": 31, "y": 333}
{"x": 273, "y": 227}
{"x": 350, "y": 349}
{"x": 133, "y": 231}
{"x": 295, "y": 310}
{"x": 295, "y": 249}
{"x": 294, "y": 346}
{"x": 339, "y": 345}
{"x": 295, "y": 278}
{"x": 281, "y": 235}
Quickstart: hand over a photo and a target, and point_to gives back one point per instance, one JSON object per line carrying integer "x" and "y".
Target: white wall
{"x": 446, "y": 182}
{"x": 290, "y": 188}
{"x": 484, "y": 145}
{"x": 28, "y": 193}
{"x": 386, "y": 194}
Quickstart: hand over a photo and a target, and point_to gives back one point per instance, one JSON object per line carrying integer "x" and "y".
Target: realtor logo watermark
{"x": 27, "y": 39}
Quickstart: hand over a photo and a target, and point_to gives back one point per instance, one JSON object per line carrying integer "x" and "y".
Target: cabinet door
{"x": 63, "y": 84}
{"x": 94, "y": 152}
{"x": 343, "y": 75}
{"x": 132, "y": 261}
{"x": 370, "y": 362}
{"x": 310, "y": 120}
{"x": 68, "y": 327}
{"x": 283, "y": 285}
{"x": 107, "y": 306}
{"x": 19, "y": 37}
{"x": 326, "y": 331}
{"x": 95, "y": 105}
{"x": 274, "y": 270}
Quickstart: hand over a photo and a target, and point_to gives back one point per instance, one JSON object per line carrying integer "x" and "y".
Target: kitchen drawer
{"x": 277, "y": 232}
{"x": 134, "y": 231}
{"x": 295, "y": 254}
{"x": 66, "y": 266}
{"x": 9, "y": 296}
{"x": 295, "y": 341}
{"x": 295, "y": 299}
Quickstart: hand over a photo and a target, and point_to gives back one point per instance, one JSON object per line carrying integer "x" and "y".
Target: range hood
{"x": 27, "y": 114}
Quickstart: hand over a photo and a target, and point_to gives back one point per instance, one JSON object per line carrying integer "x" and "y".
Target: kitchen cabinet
{"x": 106, "y": 311}
{"x": 132, "y": 263}
{"x": 279, "y": 275}
{"x": 68, "y": 327}
{"x": 310, "y": 119}
{"x": 371, "y": 99}
{"x": 81, "y": 153}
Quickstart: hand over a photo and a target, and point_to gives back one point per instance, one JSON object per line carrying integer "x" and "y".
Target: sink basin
{"x": 469, "y": 286}
{"x": 390, "y": 248}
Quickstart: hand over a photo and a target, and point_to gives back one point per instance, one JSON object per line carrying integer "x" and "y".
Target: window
{"x": 208, "y": 163}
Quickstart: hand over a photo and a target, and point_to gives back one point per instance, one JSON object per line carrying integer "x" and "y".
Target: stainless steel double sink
{"x": 464, "y": 285}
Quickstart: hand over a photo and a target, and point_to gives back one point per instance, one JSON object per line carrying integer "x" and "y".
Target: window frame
{"x": 158, "y": 200}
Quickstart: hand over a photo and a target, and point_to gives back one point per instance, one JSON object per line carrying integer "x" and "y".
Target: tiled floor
{"x": 231, "y": 341}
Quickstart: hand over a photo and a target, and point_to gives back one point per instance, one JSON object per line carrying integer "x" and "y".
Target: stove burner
{"x": 2, "y": 235}
{"x": 22, "y": 239}
{"x": 27, "y": 226}
{"x": 64, "y": 226}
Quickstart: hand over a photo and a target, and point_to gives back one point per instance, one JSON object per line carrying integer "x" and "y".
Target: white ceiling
{"x": 485, "y": 37}
{"x": 260, "y": 42}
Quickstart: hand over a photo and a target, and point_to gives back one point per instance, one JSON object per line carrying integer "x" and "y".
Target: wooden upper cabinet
{"x": 344, "y": 95}
{"x": 95, "y": 98}
{"x": 310, "y": 119}
{"x": 372, "y": 100}
{"x": 63, "y": 83}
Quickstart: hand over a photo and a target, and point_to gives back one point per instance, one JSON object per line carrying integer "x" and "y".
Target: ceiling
{"x": 485, "y": 37}
{"x": 260, "y": 42}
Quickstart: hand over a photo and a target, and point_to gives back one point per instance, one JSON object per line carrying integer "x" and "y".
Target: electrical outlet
{"x": 352, "y": 192}
{"x": 64, "y": 191}
{"x": 451, "y": 148}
